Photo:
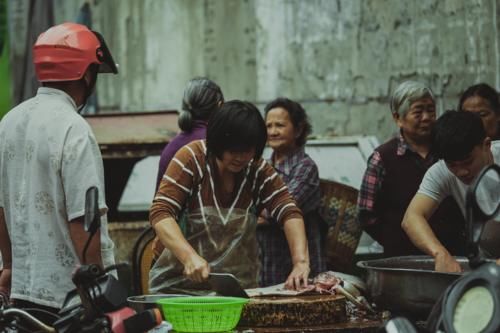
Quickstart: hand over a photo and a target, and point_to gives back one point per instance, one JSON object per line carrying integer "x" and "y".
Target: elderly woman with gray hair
{"x": 394, "y": 172}
{"x": 201, "y": 97}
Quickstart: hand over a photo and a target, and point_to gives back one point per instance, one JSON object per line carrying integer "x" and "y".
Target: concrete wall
{"x": 341, "y": 58}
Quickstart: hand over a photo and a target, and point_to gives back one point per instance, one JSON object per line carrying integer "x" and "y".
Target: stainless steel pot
{"x": 407, "y": 285}
{"x": 143, "y": 302}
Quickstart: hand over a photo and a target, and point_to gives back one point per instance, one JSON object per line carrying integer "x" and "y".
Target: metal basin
{"x": 144, "y": 302}
{"x": 407, "y": 285}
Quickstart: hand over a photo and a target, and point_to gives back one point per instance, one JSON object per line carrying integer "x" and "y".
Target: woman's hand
{"x": 444, "y": 262}
{"x": 196, "y": 268}
{"x": 298, "y": 277}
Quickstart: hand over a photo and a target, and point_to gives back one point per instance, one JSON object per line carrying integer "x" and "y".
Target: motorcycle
{"x": 98, "y": 304}
{"x": 471, "y": 304}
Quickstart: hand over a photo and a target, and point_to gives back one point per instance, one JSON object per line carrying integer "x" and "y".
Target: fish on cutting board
{"x": 322, "y": 283}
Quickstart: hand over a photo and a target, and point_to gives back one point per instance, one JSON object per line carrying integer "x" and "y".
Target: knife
{"x": 226, "y": 284}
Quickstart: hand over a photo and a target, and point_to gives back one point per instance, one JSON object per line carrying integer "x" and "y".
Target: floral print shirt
{"x": 49, "y": 157}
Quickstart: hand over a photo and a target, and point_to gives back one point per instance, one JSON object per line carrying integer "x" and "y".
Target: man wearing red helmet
{"x": 49, "y": 157}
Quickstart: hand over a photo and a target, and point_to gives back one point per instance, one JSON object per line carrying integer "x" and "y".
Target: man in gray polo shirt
{"x": 461, "y": 143}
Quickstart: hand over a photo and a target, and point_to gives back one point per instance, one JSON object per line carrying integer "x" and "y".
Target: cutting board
{"x": 351, "y": 326}
{"x": 302, "y": 310}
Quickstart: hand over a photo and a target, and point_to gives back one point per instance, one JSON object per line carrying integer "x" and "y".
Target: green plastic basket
{"x": 202, "y": 313}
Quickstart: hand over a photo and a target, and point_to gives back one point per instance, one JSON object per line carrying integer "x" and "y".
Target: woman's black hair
{"x": 455, "y": 135}
{"x": 201, "y": 97}
{"x": 482, "y": 90}
{"x": 297, "y": 114}
{"x": 237, "y": 126}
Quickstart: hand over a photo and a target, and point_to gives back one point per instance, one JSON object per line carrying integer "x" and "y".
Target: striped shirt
{"x": 215, "y": 226}
{"x": 191, "y": 172}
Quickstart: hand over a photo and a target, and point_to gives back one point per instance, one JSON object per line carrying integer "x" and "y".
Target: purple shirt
{"x": 199, "y": 132}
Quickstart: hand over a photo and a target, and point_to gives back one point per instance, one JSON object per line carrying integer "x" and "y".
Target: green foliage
{"x": 3, "y": 25}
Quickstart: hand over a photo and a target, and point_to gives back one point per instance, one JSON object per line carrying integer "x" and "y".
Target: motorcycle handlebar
{"x": 13, "y": 313}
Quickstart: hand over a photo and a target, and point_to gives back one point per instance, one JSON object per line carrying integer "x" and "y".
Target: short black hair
{"x": 482, "y": 90}
{"x": 236, "y": 126}
{"x": 455, "y": 135}
{"x": 297, "y": 115}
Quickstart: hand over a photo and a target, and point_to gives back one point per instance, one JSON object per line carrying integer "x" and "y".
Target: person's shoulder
{"x": 54, "y": 107}
{"x": 306, "y": 162}
{"x": 438, "y": 168}
{"x": 307, "y": 159}
{"x": 177, "y": 141}
{"x": 438, "y": 173}
{"x": 388, "y": 146}
{"x": 495, "y": 149}
{"x": 193, "y": 150}
{"x": 437, "y": 181}
{"x": 16, "y": 111}
{"x": 184, "y": 138}
{"x": 260, "y": 167}
{"x": 197, "y": 146}
{"x": 76, "y": 123}
{"x": 394, "y": 140}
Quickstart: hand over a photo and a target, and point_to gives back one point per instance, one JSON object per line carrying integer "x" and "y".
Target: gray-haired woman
{"x": 201, "y": 97}
{"x": 394, "y": 172}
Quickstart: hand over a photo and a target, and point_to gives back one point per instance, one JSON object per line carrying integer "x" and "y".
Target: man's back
{"x": 49, "y": 157}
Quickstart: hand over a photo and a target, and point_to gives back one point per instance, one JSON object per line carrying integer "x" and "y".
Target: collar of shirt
{"x": 56, "y": 93}
{"x": 404, "y": 147}
{"x": 286, "y": 165}
{"x": 199, "y": 124}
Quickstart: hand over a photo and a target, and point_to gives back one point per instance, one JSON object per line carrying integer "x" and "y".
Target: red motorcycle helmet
{"x": 65, "y": 51}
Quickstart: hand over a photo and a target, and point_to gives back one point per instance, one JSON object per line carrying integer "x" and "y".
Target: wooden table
{"x": 352, "y": 326}
{"x": 304, "y": 313}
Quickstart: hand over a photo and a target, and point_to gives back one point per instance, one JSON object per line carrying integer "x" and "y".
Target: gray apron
{"x": 224, "y": 237}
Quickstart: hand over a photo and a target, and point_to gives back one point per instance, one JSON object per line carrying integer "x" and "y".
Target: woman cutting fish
{"x": 206, "y": 207}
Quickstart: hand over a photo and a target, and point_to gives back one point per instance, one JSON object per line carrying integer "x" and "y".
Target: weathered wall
{"x": 341, "y": 58}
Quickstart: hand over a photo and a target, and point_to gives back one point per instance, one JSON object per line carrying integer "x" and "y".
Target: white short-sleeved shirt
{"x": 49, "y": 157}
{"x": 439, "y": 182}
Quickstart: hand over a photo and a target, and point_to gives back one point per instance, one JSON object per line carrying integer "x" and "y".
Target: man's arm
{"x": 79, "y": 237}
{"x": 6, "y": 250}
{"x": 415, "y": 224}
